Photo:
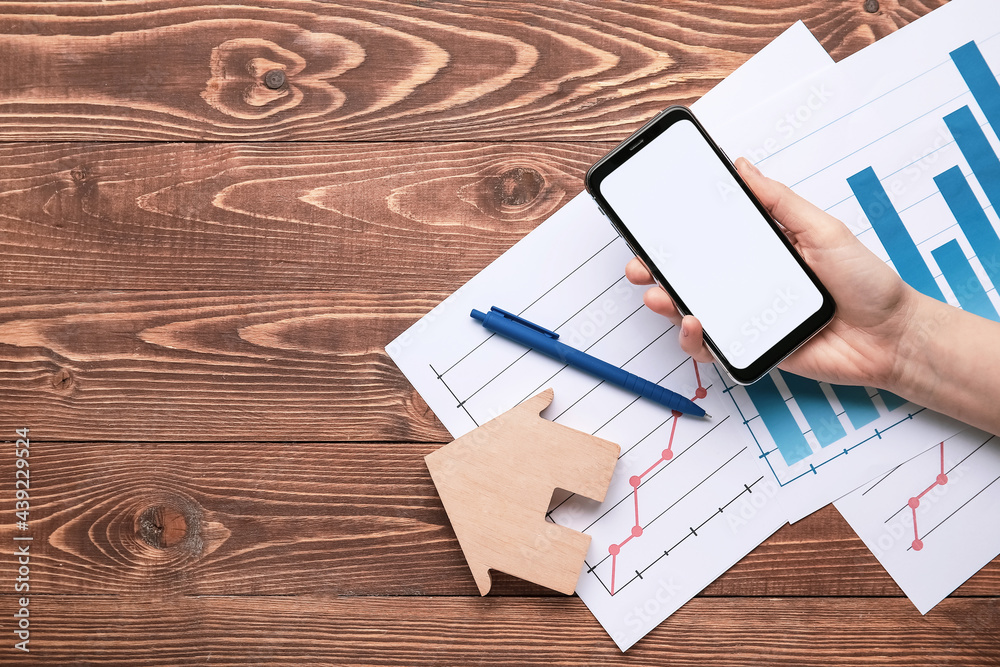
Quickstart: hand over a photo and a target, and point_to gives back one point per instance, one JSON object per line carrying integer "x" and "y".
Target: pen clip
{"x": 521, "y": 320}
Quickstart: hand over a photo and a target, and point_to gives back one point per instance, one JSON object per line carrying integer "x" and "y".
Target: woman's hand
{"x": 859, "y": 347}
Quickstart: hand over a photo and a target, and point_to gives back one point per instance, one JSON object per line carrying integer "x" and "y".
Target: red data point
{"x": 614, "y": 550}
{"x": 701, "y": 392}
{"x": 914, "y": 503}
{"x": 917, "y": 545}
{"x": 667, "y": 454}
{"x": 636, "y": 531}
{"x": 942, "y": 479}
{"x": 635, "y": 481}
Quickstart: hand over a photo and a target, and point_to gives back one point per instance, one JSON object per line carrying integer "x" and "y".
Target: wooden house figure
{"x": 496, "y": 483}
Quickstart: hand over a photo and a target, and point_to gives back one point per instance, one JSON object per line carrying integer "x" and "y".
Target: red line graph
{"x": 914, "y": 502}
{"x": 636, "y": 480}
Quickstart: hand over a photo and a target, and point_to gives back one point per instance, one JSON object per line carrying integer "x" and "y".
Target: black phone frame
{"x": 621, "y": 154}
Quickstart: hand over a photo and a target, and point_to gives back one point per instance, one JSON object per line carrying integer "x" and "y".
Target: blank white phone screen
{"x": 690, "y": 216}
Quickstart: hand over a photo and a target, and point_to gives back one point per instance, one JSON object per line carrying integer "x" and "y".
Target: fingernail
{"x": 753, "y": 168}
{"x": 685, "y": 329}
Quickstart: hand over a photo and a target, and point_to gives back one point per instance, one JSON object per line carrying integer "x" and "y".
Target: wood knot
{"x": 163, "y": 529}
{"x": 84, "y": 178}
{"x": 517, "y": 186}
{"x": 162, "y": 526}
{"x": 63, "y": 380}
{"x": 79, "y": 174}
{"x": 254, "y": 78}
{"x": 871, "y": 6}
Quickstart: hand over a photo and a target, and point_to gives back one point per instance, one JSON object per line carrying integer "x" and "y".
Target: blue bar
{"x": 857, "y": 404}
{"x": 980, "y": 80}
{"x": 816, "y": 408}
{"x": 891, "y": 232}
{"x": 779, "y": 420}
{"x": 891, "y": 400}
{"x": 977, "y": 150}
{"x": 972, "y": 219}
{"x": 963, "y": 280}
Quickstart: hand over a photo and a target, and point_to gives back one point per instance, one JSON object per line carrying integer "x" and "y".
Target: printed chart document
{"x": 931, "y": 522}
{"x": 923, "y": 190}
{"x": 688, "y": 499}
{"x": 900, "y": 142}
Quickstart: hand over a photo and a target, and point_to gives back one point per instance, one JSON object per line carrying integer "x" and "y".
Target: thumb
{"x": 803, "y": 219}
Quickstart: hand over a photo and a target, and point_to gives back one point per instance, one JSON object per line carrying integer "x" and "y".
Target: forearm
{"x": 949, "y": 361}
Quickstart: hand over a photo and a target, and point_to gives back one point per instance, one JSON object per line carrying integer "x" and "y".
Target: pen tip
{"x": 708, "y": 415}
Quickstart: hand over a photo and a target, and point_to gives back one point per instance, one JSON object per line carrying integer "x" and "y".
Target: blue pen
{"x": 542, "y": 340}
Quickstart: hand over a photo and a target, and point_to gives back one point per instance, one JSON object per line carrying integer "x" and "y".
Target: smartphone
{"x": 683, "y": 209}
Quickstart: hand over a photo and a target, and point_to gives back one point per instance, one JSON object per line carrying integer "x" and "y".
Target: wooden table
{"x": 200, "y": 274}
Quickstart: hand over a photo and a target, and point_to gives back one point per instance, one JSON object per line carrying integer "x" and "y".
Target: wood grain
{"x": 281, "y": 518}
{"x": 226, "y": 467}
{"x": 527, "y": 631}
{"x": 209, "y": 366}
{"x": 370, "y": 70}
{"x": 276, "y": 217}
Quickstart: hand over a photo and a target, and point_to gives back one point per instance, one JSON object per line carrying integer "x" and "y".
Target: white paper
{"x": 944, "y": 502}
{"x": 793, "y": 55}
{"x": 567, "y": 275}
{"x": 883, "y": 108}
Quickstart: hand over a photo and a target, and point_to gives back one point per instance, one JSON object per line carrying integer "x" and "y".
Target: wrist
{"x": 913, "y": 372}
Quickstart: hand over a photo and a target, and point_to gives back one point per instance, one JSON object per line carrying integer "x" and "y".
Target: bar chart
{"x": 970, "y": 214}
{"x": 821, "y": 412}
{"x": 904, "y": 150}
